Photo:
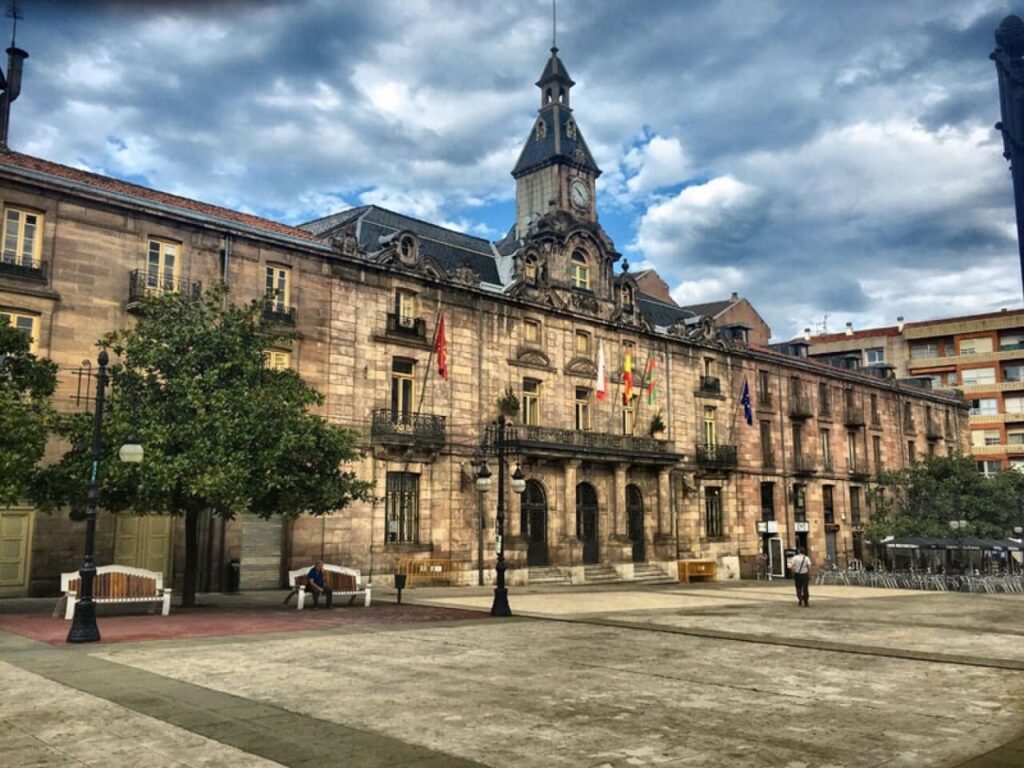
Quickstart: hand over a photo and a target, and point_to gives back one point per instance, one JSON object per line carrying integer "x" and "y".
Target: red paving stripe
{"x": 218, "y": 622}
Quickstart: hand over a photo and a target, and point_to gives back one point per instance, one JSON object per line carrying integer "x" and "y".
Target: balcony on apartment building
{"x": 145, "y": 282}
{"x": 23, "y": 269}
{"x": 720, "y": 457}
{"x": 804, "y": 464}
{"x": 710, "y": 385}
{"x": 405, "y": 428}
{"x": 853, "y": 415}
{"x": 800, "y": 407}
{"x": 414, "y": 328}
{"x": 556, "y": 442}
{"x": 276, "y": 313}
{"x": 858, "y": 468}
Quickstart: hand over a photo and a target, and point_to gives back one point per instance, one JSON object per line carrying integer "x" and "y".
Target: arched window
{"x": 570, "y": 130}
{"x": 530, "y": 268}
{"x": 579, "y": 272}
{"x": 627, "y": 298}
{"x": 547, "y": 96}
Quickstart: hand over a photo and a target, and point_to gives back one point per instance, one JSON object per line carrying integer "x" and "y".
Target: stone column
{"x": 664, "y": 503}
{"x": 619, "y": 508}
{"x": 569, "y": 514}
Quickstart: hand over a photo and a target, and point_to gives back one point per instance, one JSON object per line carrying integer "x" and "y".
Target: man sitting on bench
{"x": 316, "y": 585}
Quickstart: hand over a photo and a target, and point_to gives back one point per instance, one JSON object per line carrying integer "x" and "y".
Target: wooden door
{"x": 635, "y": 513}
{"x": 534, "y": 523}
{"x": 15, "y": 551}
{"x": 586, "y": 522}
{"x": 144, "y": 542}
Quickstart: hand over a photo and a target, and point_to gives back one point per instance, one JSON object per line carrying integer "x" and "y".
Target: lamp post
{"x": 83, "y": 626}
{"x": 1019, "y": 530}
{"x": 10, "y": 84}
{"x": 500, "y": 605}
{"x": 959, "y": 526}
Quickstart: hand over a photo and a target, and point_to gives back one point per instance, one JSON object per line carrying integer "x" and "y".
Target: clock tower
{"x": 555, "y": 170}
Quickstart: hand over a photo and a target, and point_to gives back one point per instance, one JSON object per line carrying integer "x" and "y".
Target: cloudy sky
{"x": 823, "y": 159}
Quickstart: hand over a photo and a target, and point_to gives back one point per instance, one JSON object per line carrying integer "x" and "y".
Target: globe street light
{"x": 500, "y": 606}
{"x": 959, "y": 526}
{"x": 83, "y": 626}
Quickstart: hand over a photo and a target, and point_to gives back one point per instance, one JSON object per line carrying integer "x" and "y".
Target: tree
{"x": 921, "y": 499}
{"x": 221, "y": 430}
{"x": 26, "y": 413}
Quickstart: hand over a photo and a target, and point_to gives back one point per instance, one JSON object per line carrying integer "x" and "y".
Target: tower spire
{"x": 554, "y": 25}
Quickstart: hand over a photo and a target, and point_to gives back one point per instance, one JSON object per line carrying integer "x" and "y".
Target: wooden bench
{"x": 344, "y": 582}
{"x": 117, "y": 584}
{"x": 693, "y": 570}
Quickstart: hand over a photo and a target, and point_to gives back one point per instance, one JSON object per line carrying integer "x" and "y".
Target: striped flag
{"x": 441, "y": 350}
{"x": 627, "y": 380}
{"x": 601, "y": 386}
{"x": 652, "y": 380}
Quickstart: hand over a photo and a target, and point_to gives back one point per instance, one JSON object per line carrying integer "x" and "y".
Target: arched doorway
{"x": 635, "y": 517}
{"x": 533, "y": 522}
{"x": 586, "y": 522}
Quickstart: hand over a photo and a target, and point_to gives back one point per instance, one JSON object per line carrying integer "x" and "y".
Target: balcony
{"x": 407, "y": 327}
{"x": 407, "y": 428}
{"x": 908, "y": 427}
{"x": 768, "y": 459}
{"x": 276, "y": 313}
{"x": 804, "y": 464}
{"x": 876, "y": 420}
{"x": 764, "y": 400}
{"x": 858, "y": 468}
{"x": 721, "y": 457}
{"x": 933, "y": 430}
{"x": 24, "y": 269}
{"x": 143, "y": 283}
{"x": 800, "y": 407}
{"x": 710, "y": 385}
{"x": 595, "y": 446}
{"x": 853, "y": 416}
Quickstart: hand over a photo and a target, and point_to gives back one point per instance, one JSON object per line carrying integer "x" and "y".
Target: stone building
{"x": 534, "y": 314}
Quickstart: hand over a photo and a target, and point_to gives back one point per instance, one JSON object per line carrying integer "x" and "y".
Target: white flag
{"x": 602, "y": 377}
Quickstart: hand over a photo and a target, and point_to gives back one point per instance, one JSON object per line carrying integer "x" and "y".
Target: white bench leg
{"x": 167, "y": 602}
{"x": 302, "y": 599}
{"x": 69, "y": 608}
{"x": 367, "y": 603}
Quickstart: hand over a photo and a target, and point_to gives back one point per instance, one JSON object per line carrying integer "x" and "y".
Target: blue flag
{"x": 748, "y": 412}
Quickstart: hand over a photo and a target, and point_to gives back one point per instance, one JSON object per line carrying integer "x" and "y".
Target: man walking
{"x": 316, "y": 585}
{"x": 801, "y": 565}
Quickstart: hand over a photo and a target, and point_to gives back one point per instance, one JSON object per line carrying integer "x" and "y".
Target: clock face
{"x": 579, "y": 194}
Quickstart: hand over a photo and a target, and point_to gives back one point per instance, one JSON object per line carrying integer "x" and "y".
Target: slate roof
{"x": 450, "y": 249}
{"x": 145, "y": 194}
{"x": 710, "y": 309}
{"x": 555, "y": 70}
{"x": 659, "y": 313}
{"x": 538, "y": 152}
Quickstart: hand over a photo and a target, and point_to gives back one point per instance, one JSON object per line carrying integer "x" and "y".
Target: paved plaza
{"x": 688, "y": 675}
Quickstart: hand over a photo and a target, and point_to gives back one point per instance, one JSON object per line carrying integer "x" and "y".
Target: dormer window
{"x": 570, "y": 130}
{"x": 407, "y": 248}
{"x": 530, "y": 268}
{"x": 579, "y": 272}
{"x": 626, "y": 296}
{"x": 542, "y": 129}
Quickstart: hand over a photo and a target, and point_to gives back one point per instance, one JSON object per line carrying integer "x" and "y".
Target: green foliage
{"x": 26, "y": 392}
{"x": 508, "y": 403}
{"x": 657, "y": 423}
{"x": 920, "y": 500}
{"x": 221, "y": 431}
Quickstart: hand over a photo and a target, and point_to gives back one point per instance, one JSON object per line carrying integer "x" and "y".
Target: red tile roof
{"x": 107, "y": 184}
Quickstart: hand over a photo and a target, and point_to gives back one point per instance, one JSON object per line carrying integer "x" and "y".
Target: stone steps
{"x": 601, "y": 573}
{"x": 543, "y": 574}
{"x": 645, "y": 573}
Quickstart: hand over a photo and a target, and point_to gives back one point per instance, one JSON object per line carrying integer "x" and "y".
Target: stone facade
{"x": 534, "y": 313}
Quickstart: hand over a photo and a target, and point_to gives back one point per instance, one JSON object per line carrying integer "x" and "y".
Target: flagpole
{"x": 430, "y": 359}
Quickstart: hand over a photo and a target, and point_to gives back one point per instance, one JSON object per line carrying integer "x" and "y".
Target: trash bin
{"x": 400, "y": 585}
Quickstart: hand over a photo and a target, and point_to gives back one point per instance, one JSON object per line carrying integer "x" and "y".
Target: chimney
{"x": 11, "y": 86}
{"x": 807, "y": 334}
{"x": 849, "y": 329}
{"x": 899, "y": 323}
{"x": 736, "y": 297}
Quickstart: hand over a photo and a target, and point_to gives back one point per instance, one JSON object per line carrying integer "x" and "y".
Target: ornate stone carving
{"x": 465, "y": 275}
{"x": 585, "y": 301}
{"x": 533, "y": 356}
{"x": 581, "y": 366}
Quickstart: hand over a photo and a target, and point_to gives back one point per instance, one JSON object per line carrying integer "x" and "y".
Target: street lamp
{"x": 83, "y": 626}
{"x": 500, "y": 605}
{"x": 1019, "y": 530}
{"x": 959, "y": 526}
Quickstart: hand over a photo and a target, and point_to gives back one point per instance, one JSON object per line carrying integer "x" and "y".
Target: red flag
{"x": 441, "y": 349}
{"x": 627, "y": 380}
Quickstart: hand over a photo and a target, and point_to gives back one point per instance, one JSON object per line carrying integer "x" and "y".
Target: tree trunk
{"x": 188, "y": 594}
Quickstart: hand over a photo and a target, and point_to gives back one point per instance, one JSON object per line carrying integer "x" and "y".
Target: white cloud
{"x": 660, "y": 163}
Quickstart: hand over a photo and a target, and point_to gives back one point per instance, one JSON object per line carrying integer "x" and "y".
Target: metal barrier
{"x": 990, "y": 584}
{"x": 428, "y": 570}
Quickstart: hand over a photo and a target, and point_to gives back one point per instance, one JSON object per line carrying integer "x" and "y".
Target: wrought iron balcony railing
{"x": 853, "y": 416}
{"x": 858, "y": 468}
{"x": 410, "y": 327}
{"x": 800, "y": 407}
{"x": 716, "y": 456}
{"x": 408, "y": 427}
{"x": 142, "y": 283}
{"x": 710, "y": 385}
{"x": 804, "y": 463}
{"x": 525, "y": 437}
{"x": 278, "y": 314}
{"x": 26, "y": 269}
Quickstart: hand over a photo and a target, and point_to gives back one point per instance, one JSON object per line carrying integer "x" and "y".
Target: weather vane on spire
{"x": 14, "y": 12}
{"x": 554, "y": 24}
